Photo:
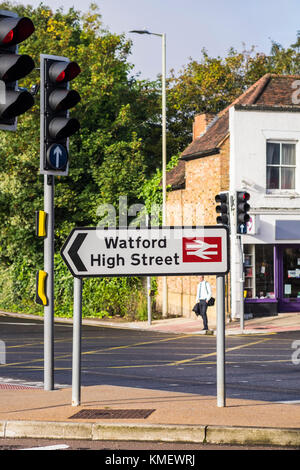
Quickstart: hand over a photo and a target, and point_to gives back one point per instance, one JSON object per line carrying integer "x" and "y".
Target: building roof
{"x": 270, "y": 92}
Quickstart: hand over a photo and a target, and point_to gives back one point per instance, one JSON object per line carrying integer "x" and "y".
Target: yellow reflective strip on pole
{"x": 41, "y": 223}
{"x": 41, "y": 297}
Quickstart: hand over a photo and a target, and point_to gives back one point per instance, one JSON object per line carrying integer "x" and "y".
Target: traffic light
{"x": 242, "y": 209}
{"x": 222, "y": 208}
{"x": 13, "y": 101}
{"x": 56, "y": 125}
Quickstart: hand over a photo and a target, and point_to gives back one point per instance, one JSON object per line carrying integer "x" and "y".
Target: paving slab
{"x": 176, "y": 416}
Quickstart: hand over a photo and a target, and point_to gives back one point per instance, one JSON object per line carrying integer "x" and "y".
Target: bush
{"x": 102, "y": 297}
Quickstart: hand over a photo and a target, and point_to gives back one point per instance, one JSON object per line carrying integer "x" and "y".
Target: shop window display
{"x": 264, "y": 272}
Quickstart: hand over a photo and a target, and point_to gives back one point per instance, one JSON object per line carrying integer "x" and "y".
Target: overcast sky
{"x": 191, "y": 25}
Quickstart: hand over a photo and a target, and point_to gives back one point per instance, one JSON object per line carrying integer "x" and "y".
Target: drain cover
{"x": 16, "y": 387}
{"x": 112, "y": 414}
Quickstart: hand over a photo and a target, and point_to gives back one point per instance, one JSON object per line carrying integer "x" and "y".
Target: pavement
{"x": 32, "y": 412}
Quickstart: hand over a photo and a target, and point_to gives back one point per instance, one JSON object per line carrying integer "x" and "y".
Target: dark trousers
{"x": 203, "y": 309}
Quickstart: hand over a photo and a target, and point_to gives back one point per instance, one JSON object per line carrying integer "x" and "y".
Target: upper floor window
{"x": 281, "y": 165}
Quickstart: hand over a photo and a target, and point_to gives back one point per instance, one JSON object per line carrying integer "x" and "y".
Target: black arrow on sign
{"x": 73, "y": 252}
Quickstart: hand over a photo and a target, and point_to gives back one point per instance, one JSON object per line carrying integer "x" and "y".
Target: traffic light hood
{"x": 13, "y": 66}
{"x": 62, "y": 72}
{"x": 15, "y": 30}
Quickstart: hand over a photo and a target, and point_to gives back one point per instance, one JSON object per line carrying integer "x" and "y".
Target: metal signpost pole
{"x": 164, "y": 166}
{"x": 90, "y": 252}
{"x": 149, "y": 299}
{"x": 49, "y": 268}
{"x": 148, "y": 287}
{"x": 76, "y": 357}
{"x": 241, "y": 285}
{"x": 220, "y": 341}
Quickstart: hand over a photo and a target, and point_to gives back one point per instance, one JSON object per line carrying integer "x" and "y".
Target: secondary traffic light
{"x": 13, "y": 102}
{"x": 222, "y": 208}
{"x": 242, "y": 209}
{"x": 56, "y": 125}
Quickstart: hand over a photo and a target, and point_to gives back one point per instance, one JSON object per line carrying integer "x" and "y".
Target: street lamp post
{"x": 164, "y": 149}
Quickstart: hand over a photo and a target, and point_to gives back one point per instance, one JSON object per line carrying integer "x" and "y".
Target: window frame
{"x": 280, "y": 166}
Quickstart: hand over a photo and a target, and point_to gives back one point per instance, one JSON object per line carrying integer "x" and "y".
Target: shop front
{"x": 271, "y": 279}
{"x": 287, "y": 270}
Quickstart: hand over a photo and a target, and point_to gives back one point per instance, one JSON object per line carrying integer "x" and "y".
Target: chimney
{"x": 201, "y": 123}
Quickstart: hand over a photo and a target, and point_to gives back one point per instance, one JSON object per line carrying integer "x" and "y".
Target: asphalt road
{"x": 258, "y": 367}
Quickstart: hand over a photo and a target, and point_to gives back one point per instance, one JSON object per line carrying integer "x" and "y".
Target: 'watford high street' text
{"x": 136, "y": 258}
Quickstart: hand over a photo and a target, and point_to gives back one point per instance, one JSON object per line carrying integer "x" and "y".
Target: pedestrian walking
{"x": 203, "y": 296}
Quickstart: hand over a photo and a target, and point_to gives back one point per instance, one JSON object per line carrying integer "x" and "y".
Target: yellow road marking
{"x": 98, "y": 350}
{"x": 126, "y": 346}
{"x": 189, "y": 361}
{"x": 184, "y": 361}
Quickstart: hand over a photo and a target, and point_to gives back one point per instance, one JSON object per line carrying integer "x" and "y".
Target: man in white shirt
{"x": 203, "y": 296}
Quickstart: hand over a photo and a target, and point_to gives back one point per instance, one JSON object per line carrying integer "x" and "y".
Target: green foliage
{"x": 212, "y": 83}
{"x": 105, "y": 297}
{"x": 108, "y": 158}
{"x": 102, "y": 297}
{"x": 117, "y": 151}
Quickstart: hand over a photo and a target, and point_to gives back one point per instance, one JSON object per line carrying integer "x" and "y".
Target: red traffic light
{"x": 242, "y": 196}
{"x": 242, "y": 208}
{"x": 9, "y": 37}
{"x": 15, "y": 30}
{"x": 62, "y": 72}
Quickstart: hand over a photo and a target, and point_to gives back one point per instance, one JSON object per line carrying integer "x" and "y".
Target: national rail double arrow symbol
{"x": 199, "y": 248}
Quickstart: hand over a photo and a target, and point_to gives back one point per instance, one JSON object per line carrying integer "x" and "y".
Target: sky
{"x": 191, "y": 25}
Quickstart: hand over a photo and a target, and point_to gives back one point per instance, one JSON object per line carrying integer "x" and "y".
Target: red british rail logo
{"x": 202, "y": 249}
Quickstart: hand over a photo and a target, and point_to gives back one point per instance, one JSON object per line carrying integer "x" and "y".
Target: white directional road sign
{"x": 93, "y": 252}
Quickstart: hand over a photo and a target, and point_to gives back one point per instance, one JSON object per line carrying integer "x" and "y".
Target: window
{"x": 259, "y": 271}
{"x": 281, "y": 165}
{"x": 264, "y": 272}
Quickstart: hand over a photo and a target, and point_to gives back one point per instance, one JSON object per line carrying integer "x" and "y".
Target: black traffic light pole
{"x": 55, "y": 129}
{"x": 242, "y": 217}
{"x": 223, "y": 218}
{"x": 49, "y": 269}
{"x": 49, "y": 184}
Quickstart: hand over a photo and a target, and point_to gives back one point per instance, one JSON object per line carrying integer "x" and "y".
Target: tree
{"x": 212, "y": 83}
{"x": 108, "y": 157}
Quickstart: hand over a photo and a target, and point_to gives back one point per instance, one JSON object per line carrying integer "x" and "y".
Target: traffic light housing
{"x": 242, "y": 209}
{"x": 56, "y": 125}
{"x": 222, "y": 208}
{"x": 13, "y": 101}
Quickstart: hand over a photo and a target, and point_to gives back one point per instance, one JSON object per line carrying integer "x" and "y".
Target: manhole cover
{"x": 112, "y": 414}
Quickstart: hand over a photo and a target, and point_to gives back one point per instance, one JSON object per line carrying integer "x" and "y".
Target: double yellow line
{"x": 144, "y": 343}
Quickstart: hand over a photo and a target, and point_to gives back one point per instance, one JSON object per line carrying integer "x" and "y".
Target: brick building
{"x": 223, "y": 157}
